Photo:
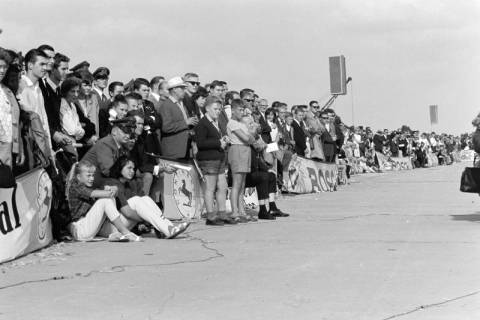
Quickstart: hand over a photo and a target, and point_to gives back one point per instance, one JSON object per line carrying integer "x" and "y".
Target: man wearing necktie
{"x": 50, "y": 87}
{"x": 101, "y": 76}
{"x": 265, "y": 128}
{"x": 176, "y": 138}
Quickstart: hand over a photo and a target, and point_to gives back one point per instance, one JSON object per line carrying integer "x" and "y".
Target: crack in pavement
{"x": 121, "y": 268}
{"x": 427, "y": 306}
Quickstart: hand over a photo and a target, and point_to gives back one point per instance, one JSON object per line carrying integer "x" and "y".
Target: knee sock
{"x": 263, "y": 209}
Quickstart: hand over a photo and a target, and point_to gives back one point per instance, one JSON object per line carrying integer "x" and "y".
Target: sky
{"x": 402, "y": 55}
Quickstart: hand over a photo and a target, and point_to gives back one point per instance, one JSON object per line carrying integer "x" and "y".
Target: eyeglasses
{"x": 316, "y": 107}
{"x": 194, "y": 83}
{"x": 326, "y": 118}
{"x": 248, "y": 100}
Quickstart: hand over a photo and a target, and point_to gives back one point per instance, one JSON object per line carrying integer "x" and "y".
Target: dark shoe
{"x": 278, "y": 213}
{"x": 229, "y": 220}
{"x": 266, "y": 216}
{"x": 214, "y": 222}
{"x": 159, "y": 234}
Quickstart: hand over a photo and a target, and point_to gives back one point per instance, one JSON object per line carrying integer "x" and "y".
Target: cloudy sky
{"x": 402, "y": 55}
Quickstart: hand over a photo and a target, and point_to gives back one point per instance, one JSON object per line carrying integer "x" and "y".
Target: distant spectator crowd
{"x": 105, "y": 143}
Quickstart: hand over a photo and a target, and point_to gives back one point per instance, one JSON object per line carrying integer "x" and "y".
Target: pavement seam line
{"x": 121, "y": 268}
{"x": 431, "y": 305}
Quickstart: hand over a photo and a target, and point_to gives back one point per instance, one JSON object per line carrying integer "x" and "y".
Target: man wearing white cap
{"x": 175, "y": 131}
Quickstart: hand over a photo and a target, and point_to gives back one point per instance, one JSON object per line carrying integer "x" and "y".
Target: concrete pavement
{"x": 401, "y": 245}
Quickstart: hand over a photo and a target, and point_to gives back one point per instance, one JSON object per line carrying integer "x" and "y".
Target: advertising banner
{"x": 404, "y": 163}
{"x": 393, "y": 163}
{"x": 467, "y": 155}
{"x": 307, "y": 176}
{"x": 25, "y": 224}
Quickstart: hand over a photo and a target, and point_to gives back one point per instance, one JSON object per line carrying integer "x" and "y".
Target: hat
{"x": 127, "y": 124}
{"x": 80, "y": 66}
{"x": 101, "y": 72}
{"x": 175, "y": 82}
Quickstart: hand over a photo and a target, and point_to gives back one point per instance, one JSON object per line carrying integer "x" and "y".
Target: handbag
{"x": 470, "y": 180}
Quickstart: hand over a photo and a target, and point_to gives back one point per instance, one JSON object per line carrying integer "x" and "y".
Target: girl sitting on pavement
{"x": 89, "y": 207}
{"x": 135, "y": 206}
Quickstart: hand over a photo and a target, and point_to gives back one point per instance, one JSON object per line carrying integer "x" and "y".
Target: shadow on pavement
{"x": 475, "y": 217}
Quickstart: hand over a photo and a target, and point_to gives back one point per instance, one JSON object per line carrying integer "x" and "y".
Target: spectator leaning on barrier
{"x": 11, "y": 147}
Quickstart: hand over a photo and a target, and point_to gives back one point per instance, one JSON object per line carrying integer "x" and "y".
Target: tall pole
{"x": 353, "y": 112}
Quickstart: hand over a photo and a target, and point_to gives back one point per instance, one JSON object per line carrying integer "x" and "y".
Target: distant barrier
{"x": 307, "y": 176}
{"x": 394, "y": 163}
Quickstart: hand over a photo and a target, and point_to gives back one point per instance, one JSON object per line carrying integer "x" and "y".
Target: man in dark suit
{"x": 50, "y": 87}
{"x": 264, "y": 127}
{"x": 154, "y": 95}
{"x": 100, "y": 82}
{"x": 379, "y": 141}
{"x": 175, "y": 122}
{"x": 299, "y": 135}
{"x": 192, "y": 81}
{"x": 328, "y": 141}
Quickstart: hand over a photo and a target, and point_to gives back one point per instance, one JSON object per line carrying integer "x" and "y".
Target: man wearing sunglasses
{"x": 192, "y": 81}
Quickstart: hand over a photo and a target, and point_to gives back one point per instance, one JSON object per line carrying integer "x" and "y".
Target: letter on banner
{"x": 313, "y": 178}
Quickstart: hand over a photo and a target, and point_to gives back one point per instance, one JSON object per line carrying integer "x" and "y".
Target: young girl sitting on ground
{"x": 137, "y": 207}
{"x": 89, "y": 207}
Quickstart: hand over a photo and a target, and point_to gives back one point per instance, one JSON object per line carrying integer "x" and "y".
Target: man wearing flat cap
{"x": 175, "y": 122}
{"x": 107, "y": 150}
{"x": 100, "y": 82}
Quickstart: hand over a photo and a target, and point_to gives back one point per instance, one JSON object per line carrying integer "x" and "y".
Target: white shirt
{"x": 30, "y": 99}
{"x": 180, "y": 106}
{"x": 70, "y": 121}
{"x": 228, "y": 111}
{"x": 274, "y": 131}
{"x": 100, "y": 92}
{"x": 51, "y": 84}
{"x": 155, "y": 95}
{"x": 6, "y": 131}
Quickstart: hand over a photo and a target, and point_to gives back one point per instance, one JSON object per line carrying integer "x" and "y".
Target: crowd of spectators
{"x": 107, "y": 142}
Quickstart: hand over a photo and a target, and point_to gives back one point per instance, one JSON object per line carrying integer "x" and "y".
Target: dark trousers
{"x": 265, "y": 182}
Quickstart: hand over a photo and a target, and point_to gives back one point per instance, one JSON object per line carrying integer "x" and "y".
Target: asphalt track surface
{"x": 401, "y": 245}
